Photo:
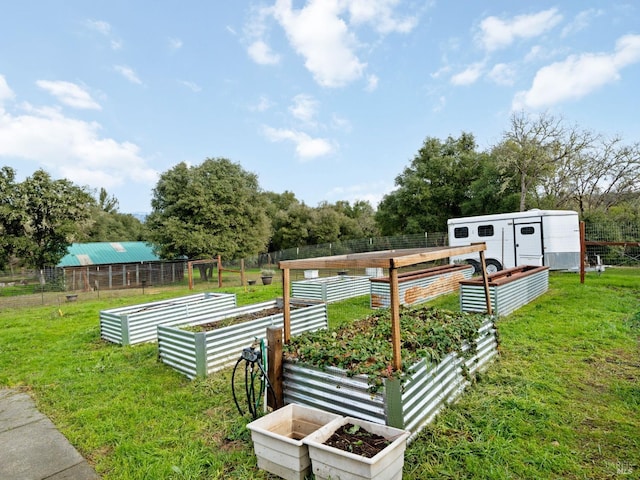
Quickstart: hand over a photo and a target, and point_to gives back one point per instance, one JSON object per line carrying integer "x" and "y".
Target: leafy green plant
{"x": 363, "y": 346}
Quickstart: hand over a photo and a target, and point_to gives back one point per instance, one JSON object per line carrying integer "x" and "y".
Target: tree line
{"x": 218, "y": 208}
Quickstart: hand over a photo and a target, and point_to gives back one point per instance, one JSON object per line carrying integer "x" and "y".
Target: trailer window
{"x": 461, "y": 232}
{"x": 527, "y": 230}
{"x": 485, "y": 231}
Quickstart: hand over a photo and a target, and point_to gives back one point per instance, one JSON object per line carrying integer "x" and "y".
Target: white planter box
{"x": 410, "y": 404}
{"x": 335, "y": 464}
{"x": 197, "y": 354}
{"x": 277, "y": 439}
{"x": 138, "y": 323}
{"x": 330, "y": 289}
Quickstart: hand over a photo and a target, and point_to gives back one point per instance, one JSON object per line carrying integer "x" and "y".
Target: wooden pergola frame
{"x": 390, "y": 259}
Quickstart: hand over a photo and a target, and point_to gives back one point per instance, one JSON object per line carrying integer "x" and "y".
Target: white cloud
{"x": 318, "y": 34}
{"x": 372, "y": 83}
{"x": 307, "y": 147}
{"x": 372, "y": 192}
{"x": 5, "y": 91}
{"x": 341, "y": 123}
{"x": 502, "y": 74}
{"x": 128, "y": 73}
{"x": 99, "y": 26}
{"x": 71, "y": 148}
{"x": 379, "y": 13}
{"x": 261, "y": 53}
{"x": 581, "y": 21}
{"x": 578, "y": 75}
{"x": 304, "y": 107}
{"x": 468, "y": 76}
{"x": 442, "y": 102}
{"x": 496, "y": 33}
{"x": 441, "y": 71}
{"x": 194, "y": 87}
{"x": 104, "y": 28}
{"x": 263, "y": 104}
{"x": 175, "y": 44}
{"x": 69, "y": 94}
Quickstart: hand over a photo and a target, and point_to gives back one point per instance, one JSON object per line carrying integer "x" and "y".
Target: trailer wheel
{"x": 493, "y": 266}
{"x": 475, "y": 264}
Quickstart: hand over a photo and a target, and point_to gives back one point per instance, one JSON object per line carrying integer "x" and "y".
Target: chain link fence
{"x": 617, "y": 245}
{"x": 613, "y": 244}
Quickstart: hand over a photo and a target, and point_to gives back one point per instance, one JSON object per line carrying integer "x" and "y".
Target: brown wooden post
{"x": 242, "y": 279}
{"x": 583, "y": 251}
{"x": 485, "y": 279}
{"x": 274, "y": 366}
{"x": 395, "y": 318}
{"x": 219, "y": 272}
{"x": 286, "y": 298}
{"x": 190, "y": 274}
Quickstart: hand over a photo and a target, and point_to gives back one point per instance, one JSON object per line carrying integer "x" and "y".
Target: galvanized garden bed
{"x": 419, "y": 286}
{"x": 198, "y": 354}
{"x": 408, "y": 404}
{"x": 138, "y": 323}
{"x": 509, "y": 289}
{"x": 331, "y": 289}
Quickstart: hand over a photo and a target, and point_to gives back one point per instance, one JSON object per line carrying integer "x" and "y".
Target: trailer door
{"x": 529, "y": 246}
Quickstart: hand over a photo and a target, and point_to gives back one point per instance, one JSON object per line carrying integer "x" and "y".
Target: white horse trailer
{"x": 535, "y": 237}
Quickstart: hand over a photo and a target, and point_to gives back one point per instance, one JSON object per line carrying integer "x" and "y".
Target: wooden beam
{"x": 286, "y": 298}
{"x": 395, "y": 319}
{"x": 274, "y": 366}
{"x": 413, "y": 259}
{"x": 485, "y": 280}
{"x": 382, "y": 259}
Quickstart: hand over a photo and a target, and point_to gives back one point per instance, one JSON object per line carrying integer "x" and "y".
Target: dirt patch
{"x": 205, "y": 327}
{"x": 355, "y": 439}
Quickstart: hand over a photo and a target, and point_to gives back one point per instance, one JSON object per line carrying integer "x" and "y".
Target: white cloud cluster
{"x": 304, "y": 107}
{"x": 307, "y": 147}
{"x": 69, "y": 94}
{"x": 128, "y": 73}
{"x": 303, "y": 111}
{"x": 323, "y": 33}
{"x": 496, "y": 33}
{"x": 578, "y": 75}
{"x": 68, "y": 147}
{"x": 469, "y": 75}
{"x": 104, "y": 28}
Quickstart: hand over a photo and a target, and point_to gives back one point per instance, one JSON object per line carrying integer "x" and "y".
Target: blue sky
{"x": 329, "y": 99}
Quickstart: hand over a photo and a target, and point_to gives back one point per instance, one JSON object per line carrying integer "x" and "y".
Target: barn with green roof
{"x": 108, "y": 265}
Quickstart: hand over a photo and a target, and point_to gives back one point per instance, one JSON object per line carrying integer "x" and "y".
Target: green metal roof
{"x": 106, "y": 253}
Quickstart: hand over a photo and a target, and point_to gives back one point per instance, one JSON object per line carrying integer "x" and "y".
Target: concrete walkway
{"x": 31, "y": 448}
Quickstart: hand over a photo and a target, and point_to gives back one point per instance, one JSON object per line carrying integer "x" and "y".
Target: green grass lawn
{"x": 562, "y": 401}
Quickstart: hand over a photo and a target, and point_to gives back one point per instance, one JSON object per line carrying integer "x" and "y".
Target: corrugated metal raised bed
{"x": 138, "y": 323}
{"x": 409, "y": 404}
{"x": 421, "y": 285}
{"x": 509, "y": 289}
{"x": 197, "y": 354}
{"x": 331, "y": 289}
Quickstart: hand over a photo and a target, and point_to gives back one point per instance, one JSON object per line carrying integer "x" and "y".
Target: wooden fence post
{"x": 274, "y": 366}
